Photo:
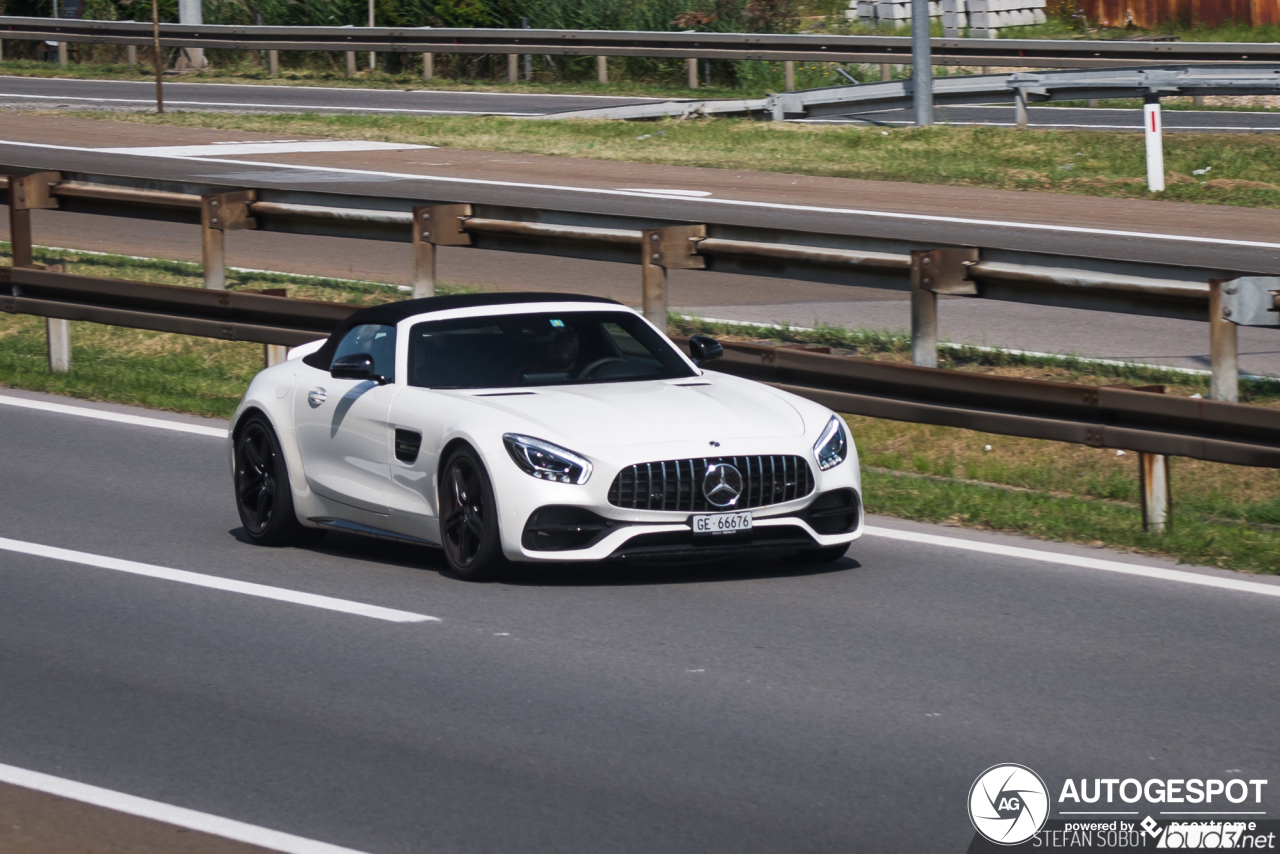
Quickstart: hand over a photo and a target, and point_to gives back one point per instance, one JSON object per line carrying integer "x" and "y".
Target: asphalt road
{"x": 51, "y": 93}
{"x": 760, "y": 706}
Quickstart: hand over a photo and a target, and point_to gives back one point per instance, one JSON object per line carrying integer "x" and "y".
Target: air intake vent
{"x": 677, "y": 484}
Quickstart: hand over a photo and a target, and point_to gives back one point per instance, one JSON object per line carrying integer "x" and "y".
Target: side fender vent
{"x": 408, "y": 443}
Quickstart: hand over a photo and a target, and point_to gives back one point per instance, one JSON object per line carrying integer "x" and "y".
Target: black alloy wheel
{"x": 469, "y": 519}
{"x": 263, "y": 497}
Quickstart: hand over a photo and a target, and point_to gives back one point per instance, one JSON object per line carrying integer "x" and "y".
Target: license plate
{"x": 721, "y": 523}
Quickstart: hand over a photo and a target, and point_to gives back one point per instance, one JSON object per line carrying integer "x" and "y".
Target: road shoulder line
{"x": 1077, "y": 561}
{"x": 117, "y": 417}
{"x": 182, "y": 817}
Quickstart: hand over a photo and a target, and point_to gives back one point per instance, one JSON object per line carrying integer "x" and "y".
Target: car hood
{"x": 614, "y": 414}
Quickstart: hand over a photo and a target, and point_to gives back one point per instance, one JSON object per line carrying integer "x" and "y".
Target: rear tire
{"x": 264, "y": 497}
{"x": 826, "y": 554}
{"x": 469, "y": 519}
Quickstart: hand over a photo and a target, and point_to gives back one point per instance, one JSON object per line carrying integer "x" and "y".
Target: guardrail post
{"x": 691, "y": 66}
{"x": 26, "y": 194}
{"x": 351, "y": 63}
{"x": 933, "y": 272}
{"x": 428, "y": 66}
{"x": 219, "y": 214}
{"x": 273, "y": 62}
{"x": 886, "y": 72}
{"x": 513, "y": 67}
{"x": 1157, "y": 502}
{"x": 663, "y": 249}
{"x": 1020, "y": 108}
{"x": 602, "y": 69}
{"x": 789, "y": 75}
{"x": 131, "y": 55}
{"x": 63, "y": 59}
{"x": 1224, "y": 352}
{"x": 435, "y": 225}
{"x": 274, "y": 354}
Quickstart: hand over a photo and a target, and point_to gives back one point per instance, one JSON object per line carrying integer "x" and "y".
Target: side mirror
{"x": 704, "y": 348}
{"x": 355, "y": 366}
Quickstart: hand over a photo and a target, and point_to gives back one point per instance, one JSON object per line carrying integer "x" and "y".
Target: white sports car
{"x": 537, "y": 427}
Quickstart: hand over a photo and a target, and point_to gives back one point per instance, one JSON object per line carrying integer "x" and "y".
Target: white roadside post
{"x": 191, "y": 13}
{"x": 1153, "y": 128}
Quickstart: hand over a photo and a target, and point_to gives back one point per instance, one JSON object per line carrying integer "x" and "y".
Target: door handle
{"x": 316, "y": 397}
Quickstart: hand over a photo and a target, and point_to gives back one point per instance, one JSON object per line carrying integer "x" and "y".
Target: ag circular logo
{"x": 722, "y": 484}
{"x": 1008, "y": 804}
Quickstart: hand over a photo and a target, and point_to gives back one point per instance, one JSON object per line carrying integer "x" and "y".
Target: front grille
{"x": 677, "y": 484}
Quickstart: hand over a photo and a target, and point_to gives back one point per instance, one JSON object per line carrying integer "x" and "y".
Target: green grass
{"x": 1243, "y": 169}
{"x": 1224, "y": 516}
{"x": 1191, "y": 539}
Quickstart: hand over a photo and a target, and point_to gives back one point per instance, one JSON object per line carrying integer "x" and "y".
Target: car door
{"x": 416, "y": 420}
{"x": 344, "y": 434}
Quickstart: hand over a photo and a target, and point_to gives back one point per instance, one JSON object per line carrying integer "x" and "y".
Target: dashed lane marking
{"x": 215, "y": 582}
{"x": 227, "y": 828}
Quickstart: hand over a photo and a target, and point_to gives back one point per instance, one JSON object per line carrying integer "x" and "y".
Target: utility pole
{"x": 159, "y": 57}
{"x": 921, "y": 63}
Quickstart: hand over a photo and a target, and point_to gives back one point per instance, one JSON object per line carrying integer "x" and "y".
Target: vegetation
{"x": 1223, "y": 169}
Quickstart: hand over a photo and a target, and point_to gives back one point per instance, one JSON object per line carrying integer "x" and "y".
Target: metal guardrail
{"x": 1106, "y": 417}
{"x": 1100, "y": 417}
{"x": 1029, "y": 53}
{"x": 926, "y": 270}
{"x": 1020, "y": 88}
{"x": 226, "y": 315}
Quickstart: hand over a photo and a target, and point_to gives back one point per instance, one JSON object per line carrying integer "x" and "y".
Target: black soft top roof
{"x": 392, "y": 313}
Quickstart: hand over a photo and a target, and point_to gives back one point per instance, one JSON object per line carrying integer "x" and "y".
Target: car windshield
{"x": 566, "y": 348}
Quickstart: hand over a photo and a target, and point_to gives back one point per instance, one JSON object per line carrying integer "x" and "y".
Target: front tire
{"x": 469, "y": 519}
{"x": 264, "y": 497}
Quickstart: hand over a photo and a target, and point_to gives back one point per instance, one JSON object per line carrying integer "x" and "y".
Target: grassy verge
{"x": 1223, "y": 169}
{"x": 1224, "y": 516}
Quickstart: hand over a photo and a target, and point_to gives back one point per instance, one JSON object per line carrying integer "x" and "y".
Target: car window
{"x": 378, "y": 341}
{"x": 540, "y": 349}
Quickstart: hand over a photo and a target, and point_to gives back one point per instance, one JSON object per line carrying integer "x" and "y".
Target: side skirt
{"x": 369, "y": 531}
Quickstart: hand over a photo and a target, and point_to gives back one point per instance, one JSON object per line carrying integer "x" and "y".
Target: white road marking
{"x": 233, "y": 149}
{"x": 693, "y": 194}
{"x": 214, "y": 582}
{"x": 321, "y": 108}
{"x": 214, "y": 825}
{"x": 117, "y": 417}
{"x": 1155, "y": 572}
{"x": 773, "y": 206}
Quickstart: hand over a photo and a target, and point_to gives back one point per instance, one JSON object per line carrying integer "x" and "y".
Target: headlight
{"x": 546, "y": 461}
{"x": 832, "y": 447}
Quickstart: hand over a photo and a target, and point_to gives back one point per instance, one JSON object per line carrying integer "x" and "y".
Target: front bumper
{"x": 574, "y": 533}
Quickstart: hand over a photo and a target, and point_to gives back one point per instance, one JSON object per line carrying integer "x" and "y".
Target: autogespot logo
{"x": 1008, "y": 804}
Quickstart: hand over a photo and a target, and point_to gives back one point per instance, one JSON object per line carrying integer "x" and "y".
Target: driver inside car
{"x": 556, "y": 359}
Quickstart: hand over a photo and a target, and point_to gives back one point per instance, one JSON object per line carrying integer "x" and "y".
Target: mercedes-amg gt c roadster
{"x": 517, "y": 428}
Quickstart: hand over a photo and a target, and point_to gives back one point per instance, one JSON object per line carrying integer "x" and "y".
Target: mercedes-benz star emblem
{"x": 722, "y": 485}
